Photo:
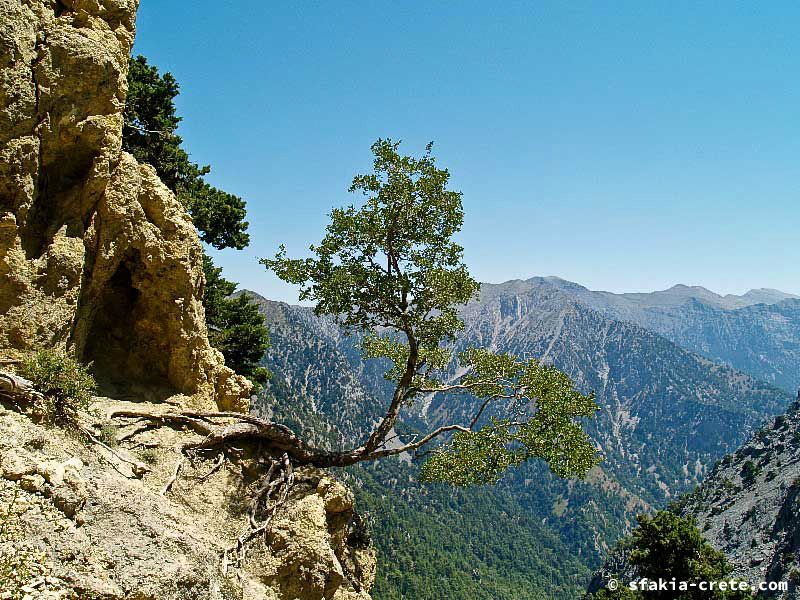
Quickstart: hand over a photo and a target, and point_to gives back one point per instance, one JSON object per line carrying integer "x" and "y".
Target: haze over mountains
{"x": 682, "y": 377}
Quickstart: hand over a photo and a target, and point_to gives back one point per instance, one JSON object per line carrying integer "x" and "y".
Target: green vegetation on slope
{"x": 236, "y": 327}
{"x": 669, "y": 547}
{"x": 65, "y": 384}
{"x": 476, "y": 543}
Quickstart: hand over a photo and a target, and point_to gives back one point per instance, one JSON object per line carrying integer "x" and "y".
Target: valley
{"x": 667, "y": 414}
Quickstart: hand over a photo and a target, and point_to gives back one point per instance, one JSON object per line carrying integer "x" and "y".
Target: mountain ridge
{"x": 676, "y": 293}
{"x": 759, "y": 336}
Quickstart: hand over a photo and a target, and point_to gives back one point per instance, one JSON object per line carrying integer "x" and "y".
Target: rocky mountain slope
{"x": 749, "y": 508}
{"x": 335, "y": 396}
{"x": 95, "y": 252}
{"x": 749, "y": 505}
{"x": 666, "y": 415}
{"x": 757, "y": 333}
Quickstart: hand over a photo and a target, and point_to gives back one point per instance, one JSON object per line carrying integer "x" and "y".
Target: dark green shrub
{"x": 668, "y": 546}
{"x": 66, "y": 384}
{"x": 749, "y": 472}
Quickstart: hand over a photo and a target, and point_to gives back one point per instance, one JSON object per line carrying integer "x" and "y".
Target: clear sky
{"x": 627, "y": 146}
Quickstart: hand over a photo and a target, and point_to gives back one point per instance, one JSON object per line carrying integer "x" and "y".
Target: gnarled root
{"x": 272, "y": 488}
{"x": 273, "y": 491}
{"x": 18, "y": 389}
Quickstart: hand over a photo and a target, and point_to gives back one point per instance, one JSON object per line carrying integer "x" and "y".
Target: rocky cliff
{"x": 96, "y": 254}
{"x": 98, "y": 257}
{"x": 749, "y": 506}
{"x": 84, "y": 521}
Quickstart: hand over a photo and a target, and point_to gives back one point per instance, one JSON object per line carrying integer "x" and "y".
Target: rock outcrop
{"x": 96, "y": 254}
{"x": 76, "y": 521}
{"x": 748, "y": 508}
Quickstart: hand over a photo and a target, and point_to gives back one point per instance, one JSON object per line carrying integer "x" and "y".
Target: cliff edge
{"x": 80, "y": 520}
{"x": 96, "y": 254}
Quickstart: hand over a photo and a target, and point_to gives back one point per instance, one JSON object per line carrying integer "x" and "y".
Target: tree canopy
{"x": 390, "y": 270}
{"x": 149, "y": 133}
{"x": 236, "y": 327}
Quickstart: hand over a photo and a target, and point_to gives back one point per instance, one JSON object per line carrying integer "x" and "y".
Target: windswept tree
{"x": 390, "y": 270}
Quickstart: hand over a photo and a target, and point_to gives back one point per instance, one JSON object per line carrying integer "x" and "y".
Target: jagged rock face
{"x": 78, "y": 523}
{"x": 749, "y": 506}
{"x": 95, "y": 252}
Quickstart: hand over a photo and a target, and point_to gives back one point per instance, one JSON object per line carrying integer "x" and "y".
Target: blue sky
{"x": 627, "y": 146}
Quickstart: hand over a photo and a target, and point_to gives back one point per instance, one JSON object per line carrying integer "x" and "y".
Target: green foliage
{"x": 65, "y": 383}
{"x": 669, "y": 543}
{"x": 749, "y": 472}
{"x": 108, "y": 433}
{"x": 148, "y": 455}
{"x": 436, "y": 541}
{"x": 236, "y": 327}
{"x": 551, "y": 433}
{"x": 667, "y": 546}
{"x": 390, "y": 271}
{"x": 149, "y": 133}
{"x": 407, "y": 224}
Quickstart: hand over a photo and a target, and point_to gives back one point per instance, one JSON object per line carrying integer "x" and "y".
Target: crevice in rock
{"x": 60, "y": 8}
{"x": 60, "y": 177}
{"x": 121, "y": 347}
{"x": 57, "y": 200}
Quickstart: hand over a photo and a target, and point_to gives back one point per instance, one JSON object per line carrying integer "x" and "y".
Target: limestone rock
{"x": 95, "y": 252}
{"x": 15, "y": 465}
{"x": 86, "y": 530}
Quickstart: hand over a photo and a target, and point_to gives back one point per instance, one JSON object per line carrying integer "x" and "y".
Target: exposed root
{"x": 217, "y": 466}
{"x": 176, "y": 471}
{"x": 264, "y": 438}
{"x": 137, "y": 468}
{"x": 272, "y": 493}
{"x": 18, "y": 389}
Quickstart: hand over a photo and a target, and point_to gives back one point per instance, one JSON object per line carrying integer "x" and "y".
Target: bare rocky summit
{"x": 95, "y": 252}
